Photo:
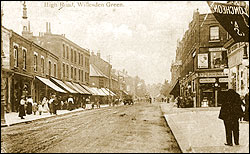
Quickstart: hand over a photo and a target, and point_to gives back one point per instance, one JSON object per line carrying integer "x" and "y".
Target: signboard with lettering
{"x": 208, "y": 80}
{"x": 203, "y": 60}
{"x": 233, "y": 18}
{"x": 212, "y": 74}
{"x": 223, "y": 79}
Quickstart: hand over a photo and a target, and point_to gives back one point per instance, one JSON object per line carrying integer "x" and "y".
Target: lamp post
{"x": 216, "y": 93}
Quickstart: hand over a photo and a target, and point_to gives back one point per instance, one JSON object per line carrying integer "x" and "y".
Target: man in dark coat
{"x": 230, "y": 113}
{"x": 246, "y": 115}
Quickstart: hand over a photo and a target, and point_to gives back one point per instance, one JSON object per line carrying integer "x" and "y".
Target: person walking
{"x": 40, "y": 107}
{"x": 21, "y": 107}
{"x": 34, "y": 108}
{"x": 246, "y": 114}
{"x": 55, "y": 104}
{"x": 71, "y": 102}
{"x": 45, "y": 105}
{"x": 178, "y": 102}
{"x": 51, "y": 106}
{"x": 29, "y": 105}
{"x": 230, "y": 113}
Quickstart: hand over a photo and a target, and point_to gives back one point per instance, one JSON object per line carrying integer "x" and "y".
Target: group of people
{"x": 27, "y": 106}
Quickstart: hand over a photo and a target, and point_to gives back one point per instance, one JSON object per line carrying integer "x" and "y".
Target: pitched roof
{"x": 94, "y": 71}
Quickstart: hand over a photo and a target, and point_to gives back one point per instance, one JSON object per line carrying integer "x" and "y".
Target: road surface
{"x": 122, "y": 129}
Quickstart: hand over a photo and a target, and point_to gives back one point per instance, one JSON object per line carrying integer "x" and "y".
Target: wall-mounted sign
{"x": 233, "y": 18}
{"x": 223, "y": 79}
{"x": 207, "y": 80}
{"x": 203, "y": 60}
{"x": 216, "y": 49}
{"x": 212, "y": 74}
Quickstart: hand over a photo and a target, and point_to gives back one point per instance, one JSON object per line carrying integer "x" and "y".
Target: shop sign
{"x": 211, "y": 74}
{"x": 208, "y": 80}
{"x": 223, "y": 79}
{"x": 216, "y": 49}
{"x": 203, "y": 60}
{"x": 233, "y": 18}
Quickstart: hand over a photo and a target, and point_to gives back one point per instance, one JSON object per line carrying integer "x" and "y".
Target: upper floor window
{"x": 218, "y": 59}
{"x": 49, "y": 68}
{"x": 79, "y": 57}
{"x": 214, "y": 33}
{"x": 67, "y": 70}
{"x": 82, "y": 75}
{"x": 54, "y": 69}
{"x": 35, "y": 61}
{"x": 79, "y": 75}
{"x": 72, "y": 55}
{"x": 16, "y": 56}
{"x": 86, "y": 62}
{"x": 82, "y": 59}
{"x": 72, "y": 71}
{"x": 63, "y": 51}
{"x": 42, "y": 64}
{"x": 67, "y": 52}
{"x": 63, "y": 70}
{"x": 24, "y": 58}
{"x": 75, "y": 74}
{"x": 75, "y": 55}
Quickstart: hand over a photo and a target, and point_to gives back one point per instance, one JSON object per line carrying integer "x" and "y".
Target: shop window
{"x": 218, "y": 59}
{"x": 24, "y": 59}
{"x": 15, "y": 56}
{"x": 214, "y": 33}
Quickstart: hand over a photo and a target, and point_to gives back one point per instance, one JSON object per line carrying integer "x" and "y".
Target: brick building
{"x": 202, "y": 60}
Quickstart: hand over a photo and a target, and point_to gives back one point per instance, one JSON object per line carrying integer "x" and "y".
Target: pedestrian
{"x": 40, "y": 107}
{"x": 246, "y": 114}
{"x": 230, "y": 113}
{"x": 178, "y": 102}
{"x": 55, "y": 104}
{"x": 51, "y": 107}
{"x": 45, "y": 105}
{"x": 34, "y": 108}
{"x": 21, "y": 107}
{"x": 71, "y": 102}
{"x": 29, "y": 105}
{"x": 150, "y": 100}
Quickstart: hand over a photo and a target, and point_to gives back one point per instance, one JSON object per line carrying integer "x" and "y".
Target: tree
{"x": 165, "y": 89}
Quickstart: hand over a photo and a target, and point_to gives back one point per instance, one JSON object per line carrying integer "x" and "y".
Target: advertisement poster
{"x": 203, "y": 60}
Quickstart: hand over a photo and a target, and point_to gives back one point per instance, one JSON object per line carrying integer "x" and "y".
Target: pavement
{"x": 13, "y": 119}
{"x": 199, "y": 130}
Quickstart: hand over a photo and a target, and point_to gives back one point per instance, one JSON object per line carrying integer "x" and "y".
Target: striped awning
{"x": 51, "y": 84}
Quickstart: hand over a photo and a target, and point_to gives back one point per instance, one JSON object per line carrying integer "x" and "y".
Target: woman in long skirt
{"x": 29, "y": 105}
{"x": 21, "y": 107}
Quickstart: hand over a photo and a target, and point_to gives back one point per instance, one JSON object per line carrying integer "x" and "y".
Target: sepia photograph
{"x": 124, "y": 76}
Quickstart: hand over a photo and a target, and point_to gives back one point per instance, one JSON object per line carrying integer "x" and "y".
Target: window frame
{"x": 15, "y": 50}
{"x": 217, "y": 36}
{"x": 24, "y": 51}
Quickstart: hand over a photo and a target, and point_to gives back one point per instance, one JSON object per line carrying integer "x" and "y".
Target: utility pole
{"x": 2, "y": 86}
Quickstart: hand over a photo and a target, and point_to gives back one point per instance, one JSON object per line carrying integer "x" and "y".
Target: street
{"x": 132, "y": 128}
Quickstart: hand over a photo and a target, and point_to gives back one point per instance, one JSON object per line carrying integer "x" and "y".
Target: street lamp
{"x": 216, "y": 85}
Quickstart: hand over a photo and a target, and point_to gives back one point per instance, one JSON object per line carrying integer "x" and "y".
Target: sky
{"x": 140, "y": 36}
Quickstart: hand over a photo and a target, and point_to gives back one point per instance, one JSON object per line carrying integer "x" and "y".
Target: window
{"x": 35, "y": 61}
{"x": 72, "y": 69}
{"x": 49, "y": 68}
{"x": 82, "y": 75}
{"x": 75, "y": 74}
{"x": 54, "y": 69}
{"x": 67, "y": 52}
{"x": 86, "y": 62}
{"x": 86, "y": 77}
{"x": 218, "y": 59}
{"x": 79, "y": 75}
{"x": 63, "y": 51}
{"x": 15, "y": 56}
{"x": 42, "y": 64}
{"x": 72, "y": 55}
{"x": 67, "y": 71}
{"x": 24, "y": 58}
{"x": 82, "y": 59}
{"x": 75, "y": 55}
{"x": 79, "y": 57}
{"x": 63, "y": 70}
{"x": 101, "y": 82}
{"x": 214, "y": 33}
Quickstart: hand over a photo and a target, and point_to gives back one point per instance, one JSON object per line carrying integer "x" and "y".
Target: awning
{"x": 175, "y": 89}
{"x": 88, "y": 89}
{"x": 105, "y": 91}
{"x": 101, "y": 92}
{"x": 51, "y": 84}
{"x": 73, "y": 87}
{"x": 111, "y": 92}
{"x": 64, "y": 85}
{"x": 81, "y": 88}
{"x": 125, "y": 92}
{"x": 98, "y": 92}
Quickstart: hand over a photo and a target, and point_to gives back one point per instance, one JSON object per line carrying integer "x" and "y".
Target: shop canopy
{"x": 101, "y": 92}
{"x": 88, "y": 89}
{"x": 81, "y": 88}
{"x": 175, "y": 89}
{"x": 51, "y": 84}
{"x": 94, "y": 90}
{"x": 124, "y": 92}
{"x": 105, "y": 91}
{"x": 64, "y": 85}
{"x": 111, "y": 92}
{"x": 98, "y": 92}
{"x": 73, "y": 87}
